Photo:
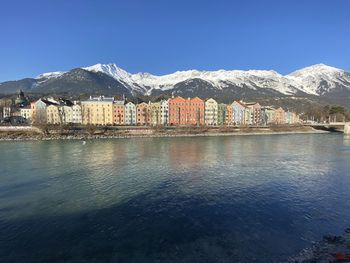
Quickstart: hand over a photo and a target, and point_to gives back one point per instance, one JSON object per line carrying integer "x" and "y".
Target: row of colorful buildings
{"x": 173, "y": 111}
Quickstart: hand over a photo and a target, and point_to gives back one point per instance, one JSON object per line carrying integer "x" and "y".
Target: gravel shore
{"x": 35, "y": 136}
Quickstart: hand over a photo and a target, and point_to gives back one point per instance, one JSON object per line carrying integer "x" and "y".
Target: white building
{"x": 6, "y": 112}
{"x": 164, "y": 111}
{"x": 240, "y": 113}
{"x": 130, "y": 114}
{"x": 211, "y": 112}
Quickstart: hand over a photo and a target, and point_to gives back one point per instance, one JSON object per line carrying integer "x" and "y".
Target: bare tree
{"x": 145, "y": 114}
{"x": 157, "y": 116}
{"x": 119, "y": 118}
{"x": 198, "y": 115}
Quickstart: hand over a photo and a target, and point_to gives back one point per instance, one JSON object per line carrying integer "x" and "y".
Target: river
{"x": 252, "y": 198}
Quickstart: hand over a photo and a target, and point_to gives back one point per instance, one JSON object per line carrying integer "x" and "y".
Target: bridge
{"x": 332, "y": 126}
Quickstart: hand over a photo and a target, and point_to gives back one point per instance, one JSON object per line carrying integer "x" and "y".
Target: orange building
{"x": 196, "y": 108}
{"x": 280, "y": 116}
{"x": 143, "y": 114}
{"x": 177, "y": 111}
{"x": 33, "y": 107}
{"x": 186, "y": 112}
{"x": 229, "y": 115}
{"x": 118, "y": 113}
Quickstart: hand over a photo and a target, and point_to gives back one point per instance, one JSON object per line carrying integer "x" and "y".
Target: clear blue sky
{"x": 162, "y": 36}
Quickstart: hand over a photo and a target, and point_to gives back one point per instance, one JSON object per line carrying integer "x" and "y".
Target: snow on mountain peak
{"x": 316, "y": 70}
{"x": 110, "y": 69}
{"x": 307, "y": 80}
{"x": 50, "y": 75}
{"x": 317, "y": 79}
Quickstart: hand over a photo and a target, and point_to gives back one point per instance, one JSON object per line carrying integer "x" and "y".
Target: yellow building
{"x": 97, "y": 111}
{"x": 67, "y": 114}
{"x": 211, "y": 112}
{"x": 26, "y": 113}
{"x": 155, "y": 113}
{"x": 76, "y": 113}
{"x": 56, "y": 114}
{"x": 53, "y": 115}
{"x": 39, "y": 112}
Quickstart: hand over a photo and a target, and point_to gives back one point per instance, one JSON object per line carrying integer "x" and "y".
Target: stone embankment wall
{"x": 19, "y": 129}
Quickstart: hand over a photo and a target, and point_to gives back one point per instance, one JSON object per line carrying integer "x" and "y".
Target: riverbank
{"x": 88, "y": 133}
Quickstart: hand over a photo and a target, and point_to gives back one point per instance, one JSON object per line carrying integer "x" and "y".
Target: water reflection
{"x": 346, "y": 139}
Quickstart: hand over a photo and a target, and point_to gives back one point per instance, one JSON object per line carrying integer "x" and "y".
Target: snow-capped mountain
{"x": 318, "y": 80}
{"x": 147, "y": 83}
{"x": 315, "y": 80}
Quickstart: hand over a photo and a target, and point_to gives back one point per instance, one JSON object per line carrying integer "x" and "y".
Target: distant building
{"x": 5, "y": 102}
{"x": 61, "y": 113}
{"x": 67, "y": 114}
{"x": 76, "y": 111}
{"x": 268, "y": 115}
{"x": 53, "y": 115}
{"x": 33, "y": 108}
{"x": 186, "y": 111}
{"x": 119, "y": 112}
{"x": 240, "y": 113}
{"x": 56, "y": 114}
{"x": 280, "y": 116}
{"x": 164, "y": 112}
{"x": 196, "y": 111}
{"x": 39, "y": 114}
{"x": 222, "y": 111}
{"x": 6, "y": 112}
{"x": 26, "y": 113}
{"x": 254, "y": 113}
{"x": 98, "y": 110}
{"x": 174, "y": 111}
{"x": 177, "y": 111}
{"x": 211, "y": 112}
{"x": 291, "y": 117}
{"x": 130, "y": 114}
{"x": 143, "y": 111}
{"x": 229, "y": 115}
{"x": 155, "y": 113}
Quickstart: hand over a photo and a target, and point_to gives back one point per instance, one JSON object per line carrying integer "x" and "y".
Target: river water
{"x": 201, "y": 199}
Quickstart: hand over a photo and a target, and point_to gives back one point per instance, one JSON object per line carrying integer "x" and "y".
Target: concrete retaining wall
{"x": 19, "y": 128}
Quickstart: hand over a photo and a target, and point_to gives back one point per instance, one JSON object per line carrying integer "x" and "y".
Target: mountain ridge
{"x": 317, "y": 80}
